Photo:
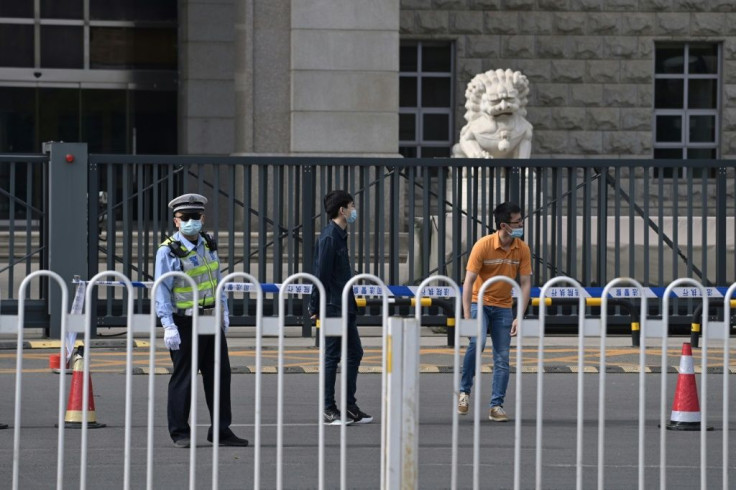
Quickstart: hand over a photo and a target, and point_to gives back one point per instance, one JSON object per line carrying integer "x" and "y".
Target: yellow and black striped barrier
{"x": 363, "y": 302}
{"x": 631, "y": 307}
{"x": 448, "y": 305}
{"x": 695, "y": 330}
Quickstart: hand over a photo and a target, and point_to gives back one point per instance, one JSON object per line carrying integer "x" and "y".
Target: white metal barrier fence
{"x": 400, "y": 381}
{"x": 202, "y": 325}
{"x": 650, "y": 329}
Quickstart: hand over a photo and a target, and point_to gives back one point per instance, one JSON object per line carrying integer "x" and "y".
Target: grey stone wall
{"x": 206, "y": 92}
{"x": 289, "y": 77}
{"x": 590, "y": 63}
{"x": 262, "y": 76}
{"x": 344, "y": 73}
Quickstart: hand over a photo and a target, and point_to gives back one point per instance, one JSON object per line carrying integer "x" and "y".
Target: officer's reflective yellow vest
{"x": 203, "y": 269}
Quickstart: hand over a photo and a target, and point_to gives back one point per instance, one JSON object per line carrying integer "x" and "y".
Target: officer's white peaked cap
{"x": 188, "y": 202}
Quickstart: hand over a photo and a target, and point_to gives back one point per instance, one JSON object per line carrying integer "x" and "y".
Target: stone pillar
{"x": 344, "y": 73}
{"x": 206, "y": 93}
{"x": 262, "y": 76}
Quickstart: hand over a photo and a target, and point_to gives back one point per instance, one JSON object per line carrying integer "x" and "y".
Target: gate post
{"x": 67, "y": 220}
{"x": 401, "y": 399}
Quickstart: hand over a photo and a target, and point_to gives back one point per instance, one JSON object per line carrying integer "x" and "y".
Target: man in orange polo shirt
{"x": 501, "y": 253}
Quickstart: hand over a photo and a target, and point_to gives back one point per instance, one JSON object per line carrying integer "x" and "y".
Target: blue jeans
{"x": 333, "y": 351}
{"x": 498, "y": 321}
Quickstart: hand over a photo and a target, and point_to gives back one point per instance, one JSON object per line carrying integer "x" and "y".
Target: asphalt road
{"x": 560, "y": 355}
{"x": 105, "y": 456}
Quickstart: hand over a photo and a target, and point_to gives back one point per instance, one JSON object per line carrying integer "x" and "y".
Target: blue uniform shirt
{"x": 167, "y": 262}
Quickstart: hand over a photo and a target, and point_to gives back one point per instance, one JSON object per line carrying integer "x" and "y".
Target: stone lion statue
{"x": 496, "y": 127}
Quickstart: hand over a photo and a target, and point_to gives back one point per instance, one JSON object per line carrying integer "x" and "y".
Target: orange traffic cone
{"x": 74, "y": 406}
{"x": 55, "y": 364}
{"x": 685, "y": 407}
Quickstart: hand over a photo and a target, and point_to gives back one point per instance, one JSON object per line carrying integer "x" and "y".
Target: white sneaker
{"x": 462, "y": 403}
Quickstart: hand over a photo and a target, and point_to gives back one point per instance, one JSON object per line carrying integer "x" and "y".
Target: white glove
{"x": 171, "y": 337}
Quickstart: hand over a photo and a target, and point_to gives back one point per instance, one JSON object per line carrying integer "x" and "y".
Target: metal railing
{"x": 401, "y": 427}
{"x": 591, "y": 220}
{"x": 24, "y": 187}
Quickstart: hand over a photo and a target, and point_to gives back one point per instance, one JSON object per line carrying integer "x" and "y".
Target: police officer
{"x": 194, "y": 253}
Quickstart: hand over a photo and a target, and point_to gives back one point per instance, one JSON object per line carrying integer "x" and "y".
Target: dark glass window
{"x": 702, "y": 94}
{"x": 16, "y": 8}
{"x": 62, "y": 9}
{"x": 437, "y": 58}
{"x": 425, "y": 98}
{"x": 17, "y": 116}
{"x": 122, "y": 35}
{"x": 435, "y": 152}
{"x": 669, "y": 93}
{"x": 407, "y": 127}
{"x": 139, "y": 48}
{"x": 58, "y": 114}
{"x": 703, "y": 59}
{"x": 686, "y": 100}
{"x": 702, "y": 129}
{"x": 154, "y": 121}
{"x": 150, "y": 10}
{"x": 436, "y": 92}
{"x": 436, "y": 127}
{"x": 669, "y": 128}
{"x": 407, "y": 92}
{"x": 104, "y": 121}
{"x": 62, "y": 47}
{"x": 408, "y": 151}
{"x": 408, "y": 58}
{"x": 668, "y": 59}
{"x": 704, "y": 153}
{"x": 109, "y": 121}
{"x": 668, "y": 153}
{"x": 16, "y": 45}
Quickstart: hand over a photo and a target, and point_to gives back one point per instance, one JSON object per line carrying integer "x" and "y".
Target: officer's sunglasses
{"x": 189, "y": 216}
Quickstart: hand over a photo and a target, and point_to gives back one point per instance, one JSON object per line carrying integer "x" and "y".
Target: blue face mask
{"x": 191, "y": 227}
{"x": 352, "y": 216}
{"x": 517, "y": 232}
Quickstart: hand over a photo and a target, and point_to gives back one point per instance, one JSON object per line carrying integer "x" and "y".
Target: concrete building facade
{"x": 322, "y": 77}
{"x": 326, "y": 77}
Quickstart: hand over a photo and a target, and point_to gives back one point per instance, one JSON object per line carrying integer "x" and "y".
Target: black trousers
{"x": 333, "y": 354}
{"x": 180, "y": 384}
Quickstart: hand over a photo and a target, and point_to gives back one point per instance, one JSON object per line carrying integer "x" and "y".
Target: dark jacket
{"x": 332, "y": 268}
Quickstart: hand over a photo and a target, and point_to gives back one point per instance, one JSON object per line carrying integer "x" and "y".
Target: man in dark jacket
{"x": 332, "y": 267}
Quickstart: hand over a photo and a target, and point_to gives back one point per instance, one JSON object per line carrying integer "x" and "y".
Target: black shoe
{"x": 230, "y": 440}
{"x": 3, "y": 426}
{"x": 358, "y": 416}
{"x": 332, "y": 416}
{"x": 184, "y": 442}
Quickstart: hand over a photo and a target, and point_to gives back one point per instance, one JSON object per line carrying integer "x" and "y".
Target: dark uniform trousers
{"x": 180, "y": 384}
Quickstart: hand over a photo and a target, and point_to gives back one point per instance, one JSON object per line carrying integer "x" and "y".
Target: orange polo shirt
{"x": 488, "y": 259}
